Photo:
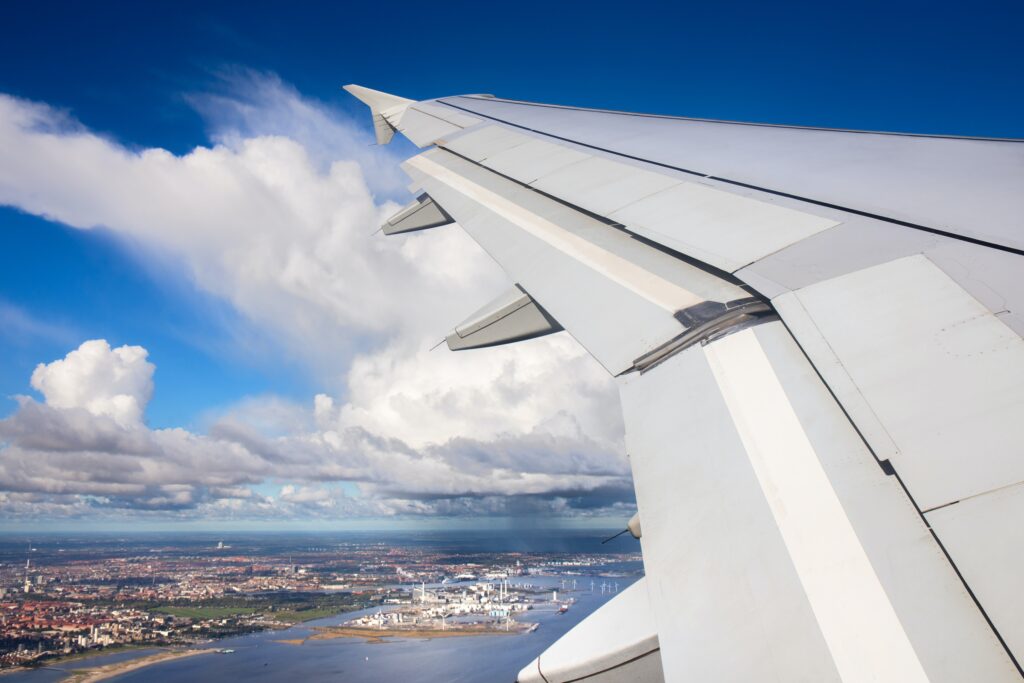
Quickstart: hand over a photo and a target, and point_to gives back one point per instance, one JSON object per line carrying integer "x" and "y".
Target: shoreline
{"x": 86, "y": 674}
{"x": 102, "y": 673}
{"x": 60, "y": 661}
{"x": 64, "y": 662}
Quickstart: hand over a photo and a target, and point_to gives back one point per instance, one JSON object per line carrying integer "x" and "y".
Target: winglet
{"x": 387, "y": 110}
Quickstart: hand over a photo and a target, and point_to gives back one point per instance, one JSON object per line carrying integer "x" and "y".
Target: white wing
{"x": 817, "y": 337}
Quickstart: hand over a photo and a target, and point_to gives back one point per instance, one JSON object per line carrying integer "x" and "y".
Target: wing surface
{"x": 966, "y": 186}
{"x": 817, "y": 338}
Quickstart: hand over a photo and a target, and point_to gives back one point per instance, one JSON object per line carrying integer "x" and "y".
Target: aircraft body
{"x": 817, "y": 338}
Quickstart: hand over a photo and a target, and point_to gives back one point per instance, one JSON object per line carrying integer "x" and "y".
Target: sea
{"x": 261, "y": 657}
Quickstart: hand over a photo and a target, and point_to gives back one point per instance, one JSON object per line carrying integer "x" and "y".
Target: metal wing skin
{"x": 817, "y": 340}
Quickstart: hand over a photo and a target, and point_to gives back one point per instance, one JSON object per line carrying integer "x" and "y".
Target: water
{"x": 472, "y": 659}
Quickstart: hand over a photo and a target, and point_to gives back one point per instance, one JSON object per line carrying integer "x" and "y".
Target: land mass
{"x": 101, "y": 673}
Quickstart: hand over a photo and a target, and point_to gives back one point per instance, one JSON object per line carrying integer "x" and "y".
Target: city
{"x": 64, "y": 600}
{"x": 365, "y": 341}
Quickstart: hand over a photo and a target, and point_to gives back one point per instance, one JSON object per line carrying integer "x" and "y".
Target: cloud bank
{"x": 85, "y": 446}
{"x": 280, "y": 228}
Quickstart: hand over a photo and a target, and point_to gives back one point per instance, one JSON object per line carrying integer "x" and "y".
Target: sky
{"x": 197, "y": 326}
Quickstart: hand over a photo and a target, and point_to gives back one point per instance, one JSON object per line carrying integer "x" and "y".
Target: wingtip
{"x": 386, "y": 109}
{"x": 354, "y": 90}
{"x": 377, "y": 100}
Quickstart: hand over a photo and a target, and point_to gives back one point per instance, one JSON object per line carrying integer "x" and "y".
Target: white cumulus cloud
{"x": 257, "y": 222}
{"x": 276, "y": 218}
{"x": 77, "y": 444}
{"x": 117, "y": 383}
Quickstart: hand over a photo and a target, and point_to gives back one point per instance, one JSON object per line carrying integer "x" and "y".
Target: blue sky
{"x": 173, "y": 76}
{"x": 924, "y": 66}
{"x": 125, "y": 69}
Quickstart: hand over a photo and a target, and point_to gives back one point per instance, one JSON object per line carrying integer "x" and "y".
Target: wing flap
{"x": 985, "y": 538}
{"x": 773, "y": 541}
{"x": 617, "y": 296}
{"x": 943, "y": 375}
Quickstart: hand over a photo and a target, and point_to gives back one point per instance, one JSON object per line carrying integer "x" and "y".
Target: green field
{"x": 288, "y": 608}
{"x": 281, "y": 607}
{"x": 291, "y": 616}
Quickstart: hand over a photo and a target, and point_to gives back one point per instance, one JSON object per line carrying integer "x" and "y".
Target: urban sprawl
{"x": 61, "y": 601}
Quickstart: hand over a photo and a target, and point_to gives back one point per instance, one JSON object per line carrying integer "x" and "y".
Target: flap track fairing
{"x": 423, "y": 213}
{"x": 513, "y": 316}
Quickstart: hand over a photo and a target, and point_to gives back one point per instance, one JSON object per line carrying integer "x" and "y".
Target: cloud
{"x": 250, "y": 104}
{"x": 117, "y": 383}
{"x": 276, "y": 219}
{"x": 78, "y": 442}
{"x": 429, "y": 397}
{"x": 255, "y": 221}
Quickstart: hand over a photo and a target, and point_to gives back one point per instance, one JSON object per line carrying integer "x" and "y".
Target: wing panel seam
{"x": 727, "y": 122}
{"x": 749, "y": 186}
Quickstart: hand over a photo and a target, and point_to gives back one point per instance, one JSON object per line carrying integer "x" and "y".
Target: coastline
{"x": 65, "y": 662}
{"x": 102, "y": 673}
{"x": 61, "y": 661}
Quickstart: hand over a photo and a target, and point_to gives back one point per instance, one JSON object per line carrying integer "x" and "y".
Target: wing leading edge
{"x": 822, "y": 379}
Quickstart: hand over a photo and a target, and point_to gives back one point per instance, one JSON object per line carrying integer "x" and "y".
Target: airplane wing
{"x": 817, "y": 337}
